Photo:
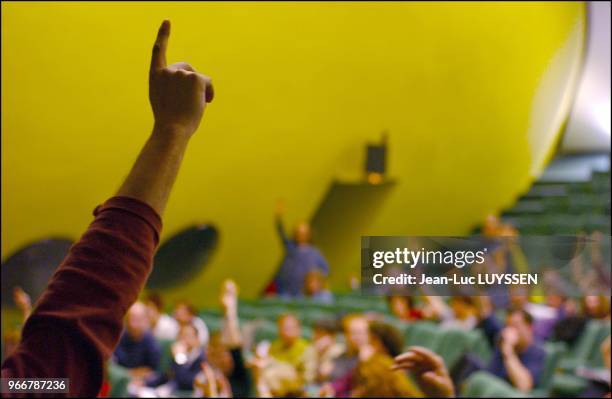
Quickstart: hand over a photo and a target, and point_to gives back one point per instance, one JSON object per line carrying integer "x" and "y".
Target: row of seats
{"x": 563, "y": 207}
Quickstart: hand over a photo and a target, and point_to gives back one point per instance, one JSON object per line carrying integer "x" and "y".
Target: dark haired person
{"x": 326, "y": 350}
{"x": 403, "y": 307}
{"x": 185, "y": 314}
{"x": 459, "y": 313}
{"x": 77, "y": 322}
{"x": 517, "y": 358}
{"x": 163, "y": 326}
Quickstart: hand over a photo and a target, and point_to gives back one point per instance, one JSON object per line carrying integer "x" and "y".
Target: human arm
{"x": 77, "y": 322}
{"x": 23, "y": 302}
{"x": 279, "y": 211}
{"x": 428, "y": 370}
{"x": 518, "y": 374}
{"x": 178, "y": 95}
{"x": 229, "y": 302}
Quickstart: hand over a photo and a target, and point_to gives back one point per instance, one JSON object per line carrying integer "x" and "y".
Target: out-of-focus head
{"x": 137, "y": 320}
{"x": 324, "y": 328}
{"x": 556, "y": 301}
{"x": 283, "y": 381}
{"x": 188, "y": 335}
{"x": 184, "y": 312}
{"x": 519, "y": 296}
{"x": 314, "y": 282}
{"x": 400, "y": 305}
{"x": 302, "y": 233}
{"x": 462, "y": 306}
{"x": 218, "y": 355}
{"x": 289, "y": 328}
{"x": 596, "y": 306}
{"x": 491, "y": 225}
{"x": 386, "y": 338}
{"x": 155, "y": 306}
{"x": 522, "y": 322}
{"x": 356, "y": 331}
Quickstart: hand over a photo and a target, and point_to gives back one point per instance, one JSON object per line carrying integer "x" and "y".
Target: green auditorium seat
{"x": 213, "y": 322}
{"x": 166, "y": 354}
{"x": 554, "y": 352}
{"x": 266, "y": 331}
{"x": 479, "y": 345}
{"x": 118, "y": 378}
{"x": 452, "y": 345}
{"x": 585, "y": 352}
{"x": 586, "y": 345}
{"x": 482, "y": 384}
{"x": 424, "y": 333}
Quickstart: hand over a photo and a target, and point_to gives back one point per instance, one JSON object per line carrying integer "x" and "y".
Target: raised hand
{"x": 279, "y": 209}
{"x": 428, "y": 370}
{"x": 22, "y": 300}
{"x": 229, "y": 295}
{"x": 178, "y": 93}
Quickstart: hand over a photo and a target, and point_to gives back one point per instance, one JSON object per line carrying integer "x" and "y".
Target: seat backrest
{"x": 554, "y": 352}
{"x": 595, "y": 358}
{"x": 452, "y": 344}
{"x": 482, "y": 384}
{"x": 586, "y": 342}
{"x": 165, "y": 361}
{"x": 479, "y": 345}
{"x": 424, "y": 333}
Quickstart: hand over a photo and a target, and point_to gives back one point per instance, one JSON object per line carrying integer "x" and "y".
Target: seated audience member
{"x": 275, "y": 379}
{"x": 459, "y": 313}
{"x": 224, "y": 351}
{"x": 517, "y": 357}
{"x": 326, "y": 350}
{"x": 570, "y": 327}
{"x": 211, "y": 383}
{"x": 314, "y": 287}
{"x": 596, "y": 307}
{"x": 138, "y": 350}
{"x": 187, "y": 362}
{"x": 185, "y": 314}
{"x": 187, "y": 359}
{"x": 300, "y": 258}
{"x": 163, "y": 326}
{"x": 78, "y": 319}
{"x": 403, "y": 308}
{"x": 356, "y": 335}
{"x": 373, "y": 376}
{"x": 290, "y": 347}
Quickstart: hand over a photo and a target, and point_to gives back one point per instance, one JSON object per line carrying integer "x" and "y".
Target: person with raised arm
{"x": 76, "y": 324}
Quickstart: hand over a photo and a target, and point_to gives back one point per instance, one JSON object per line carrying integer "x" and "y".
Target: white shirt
{"x": 166, "y": 328}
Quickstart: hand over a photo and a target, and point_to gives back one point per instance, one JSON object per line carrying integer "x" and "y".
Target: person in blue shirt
{"x": 138, "y": 350}
{"x": 518, "y": 358}
{"x": 300, "y": 258}
{"x": 188, "y": 356}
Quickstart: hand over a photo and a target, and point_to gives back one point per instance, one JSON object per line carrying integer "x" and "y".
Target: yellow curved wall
{"x": 473, "y": 96}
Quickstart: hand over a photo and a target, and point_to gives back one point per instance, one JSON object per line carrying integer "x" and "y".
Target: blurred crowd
{"x": 167, "y": 351}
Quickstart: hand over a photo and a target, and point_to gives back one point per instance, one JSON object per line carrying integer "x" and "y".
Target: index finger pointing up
{"x": 158, "y": 59}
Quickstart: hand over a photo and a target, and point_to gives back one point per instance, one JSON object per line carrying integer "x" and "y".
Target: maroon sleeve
{"x": 77, "y": 321}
